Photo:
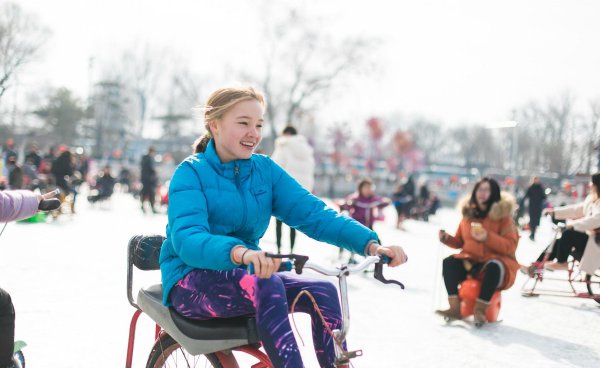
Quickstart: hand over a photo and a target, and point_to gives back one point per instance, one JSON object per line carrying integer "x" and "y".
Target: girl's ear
{"x": 214, "y": 127}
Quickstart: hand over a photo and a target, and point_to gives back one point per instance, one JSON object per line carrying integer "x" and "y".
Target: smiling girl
{"x": 221, "y": 202}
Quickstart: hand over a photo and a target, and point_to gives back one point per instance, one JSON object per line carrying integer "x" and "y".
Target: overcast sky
{"x": 457, "y": 61}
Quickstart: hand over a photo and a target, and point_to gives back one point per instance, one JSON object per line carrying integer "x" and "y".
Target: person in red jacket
{"x": 487, "y": 238}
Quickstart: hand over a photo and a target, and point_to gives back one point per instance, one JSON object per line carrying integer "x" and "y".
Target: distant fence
{"x": 339, "y": 186}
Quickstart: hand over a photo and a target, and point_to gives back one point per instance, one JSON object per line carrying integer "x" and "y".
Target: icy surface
{"x": 68, "y": 277}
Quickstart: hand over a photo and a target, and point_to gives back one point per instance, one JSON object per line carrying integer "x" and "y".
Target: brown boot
{"x": 454, "y": 311}
{"x": 479, "y": 311}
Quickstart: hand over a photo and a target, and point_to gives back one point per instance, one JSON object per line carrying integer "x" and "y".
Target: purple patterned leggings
{"x": 205, "y": 294}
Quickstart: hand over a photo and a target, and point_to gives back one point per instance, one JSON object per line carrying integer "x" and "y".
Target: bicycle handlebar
{"x": 298, "y": 263}
{"x": 49, "y": 204}
{"x": 557, "y": 227}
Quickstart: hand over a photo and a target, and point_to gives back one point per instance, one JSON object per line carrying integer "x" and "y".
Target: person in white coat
{"x": 580, "y": 237}
{"x": 294, "y": 154}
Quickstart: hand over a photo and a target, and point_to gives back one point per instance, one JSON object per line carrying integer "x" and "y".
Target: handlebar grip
{"x": 284, "y": 266}
{"x": 385, "y": 259}
{"x": 49, "y": 204}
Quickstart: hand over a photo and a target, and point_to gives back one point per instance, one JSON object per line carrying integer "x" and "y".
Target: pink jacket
{"x": 17, "y": 205}
{"x": 362, "y": 208}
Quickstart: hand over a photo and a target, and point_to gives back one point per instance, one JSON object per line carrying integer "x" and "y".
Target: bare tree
{"x": 478, "y": 146}
{"x": 302, "y": 63}
{"x": 172, "y": 136}
{"x": 560, "y": 119}
{"x": 429, "y": 138}
{"x": 533, "y": 137}
{"x": 188, "y": 87}
{"x": 142, "y": 67}
{"x": 62, "y": 113}
{"x": 178, "y": 106}
{"x": 21, "y": 38}
{"x": 593, "y": 144}
{"x": 549, "y": 144}
{"x": 111, "y": 116}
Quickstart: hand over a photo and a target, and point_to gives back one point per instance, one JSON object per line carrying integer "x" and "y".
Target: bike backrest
{"x": 144, "y": 251}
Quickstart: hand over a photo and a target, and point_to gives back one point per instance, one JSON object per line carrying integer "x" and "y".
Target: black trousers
{"x": 7, "y": 328}
{"x": 278, "y": 236}
{"x": 572, "y": 242}
{"x": 148, "y": 192}
{"x": 454, "y": 272}
{"x": 534, "y": 219}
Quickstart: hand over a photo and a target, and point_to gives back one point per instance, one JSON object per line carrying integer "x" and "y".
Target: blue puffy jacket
{"x": 214, "y": 206}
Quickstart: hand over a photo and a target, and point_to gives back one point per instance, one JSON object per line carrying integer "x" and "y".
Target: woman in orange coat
{"x": 488, "y": 239}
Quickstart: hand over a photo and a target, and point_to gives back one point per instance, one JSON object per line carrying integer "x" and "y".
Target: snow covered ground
{"x": 67, "y": 279}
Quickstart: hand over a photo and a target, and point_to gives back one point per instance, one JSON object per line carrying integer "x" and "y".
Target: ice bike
{"x": 575, "y": 277}
{"x": 226, "y": 342}
{"x": 468, "y": 291}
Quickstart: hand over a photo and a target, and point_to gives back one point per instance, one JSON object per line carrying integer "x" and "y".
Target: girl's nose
{"x": 254, "y": 132}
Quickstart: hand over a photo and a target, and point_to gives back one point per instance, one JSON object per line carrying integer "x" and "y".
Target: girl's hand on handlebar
{"x": 264, "y": 266}
{"x": 395, "y": 253}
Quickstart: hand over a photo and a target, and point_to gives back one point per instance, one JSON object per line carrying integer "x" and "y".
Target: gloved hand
{"x": 49, "y": 204}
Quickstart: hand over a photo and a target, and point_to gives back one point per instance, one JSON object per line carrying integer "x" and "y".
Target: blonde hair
{"x": 218, "y": 103}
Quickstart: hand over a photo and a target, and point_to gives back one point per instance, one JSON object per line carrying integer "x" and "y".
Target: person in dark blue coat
{"x": 221, "y": 200}
{"x": 149, "y": 179}
{"x": 537, "y": 197}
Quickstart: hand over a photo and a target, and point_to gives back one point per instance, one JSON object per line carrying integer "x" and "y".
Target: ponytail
{"x": 201, "y": 143}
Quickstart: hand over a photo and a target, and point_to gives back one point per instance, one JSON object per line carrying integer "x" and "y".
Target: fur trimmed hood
{"x": 501, "y": 209}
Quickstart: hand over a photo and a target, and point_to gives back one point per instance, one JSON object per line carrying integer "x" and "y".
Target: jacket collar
{"x": 227, "y": 170}
{"x": 501, "y": 209}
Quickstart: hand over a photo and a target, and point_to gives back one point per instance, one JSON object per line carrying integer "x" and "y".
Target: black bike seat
{"x": 236, "y": 328}
{"x": 217, "y": 328}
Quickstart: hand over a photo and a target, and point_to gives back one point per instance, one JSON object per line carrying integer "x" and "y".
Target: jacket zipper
{"x": 237, "y": 184}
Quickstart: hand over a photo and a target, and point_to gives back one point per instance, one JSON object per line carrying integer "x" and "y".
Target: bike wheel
{"x": 593, "y": 285}
{"x": 167, "y": 352}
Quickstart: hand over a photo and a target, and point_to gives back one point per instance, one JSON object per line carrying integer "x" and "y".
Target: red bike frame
{"x": 226, "y": 359}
